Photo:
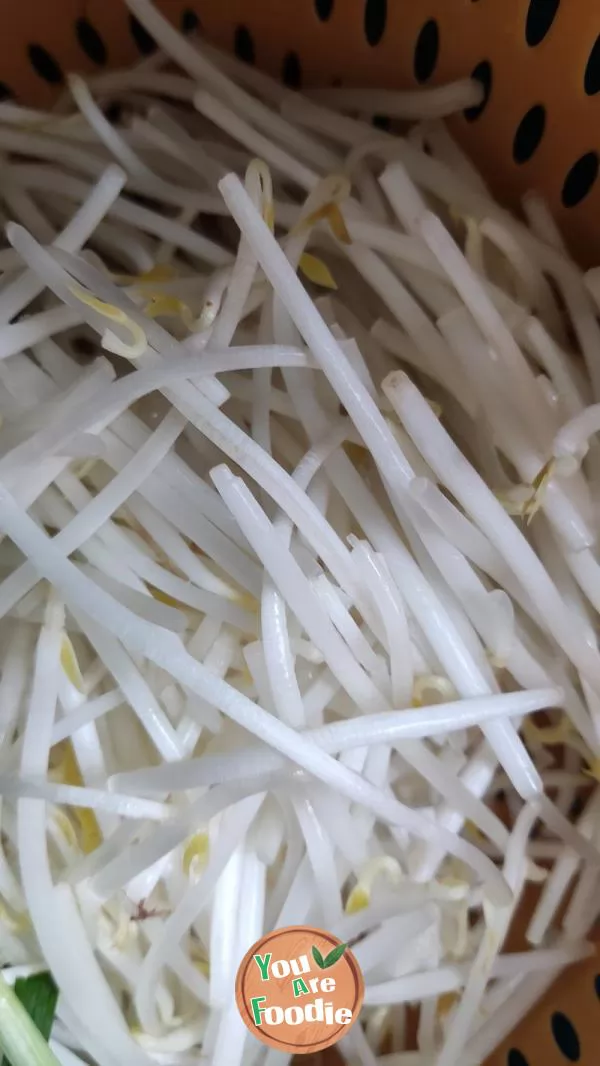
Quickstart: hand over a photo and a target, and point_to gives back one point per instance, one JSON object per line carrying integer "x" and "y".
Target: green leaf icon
{"x": 316, "y": 954}
{"x": 332, "y": 958}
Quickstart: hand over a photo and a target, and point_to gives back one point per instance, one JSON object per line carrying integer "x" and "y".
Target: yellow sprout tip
{"x": 169, "y": 307}
{"x": 110, "y": 341}
{"x": 68, "y": 661}
{"x": 473, "y": 831}
{"x": 358, "y": 900}
{"x": 593, "y": 770}
{"x": 67, "y": 829}
{"x": 195, "y": 852}
{"x": 159, "y": 272}
{"x": 549, "y": 735}
{"x": 111, "y": 311}
{"x": 317, "y": 271}
{"x": 15, "y": 921}
{"x": 331, "y": 213}
{"x": 445, "y": 1003}
{"x": 68, "y": 771}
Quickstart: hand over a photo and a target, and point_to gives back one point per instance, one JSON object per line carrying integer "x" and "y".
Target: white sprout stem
{"x": 286, "y": 573}
{"x": 572, "y": 440}
{"x": 17, "y": 295}
{"x": 223, "y": 930}
{"x": 87, "y": 712}
{"x": 464, "y": 671}
{"x": 144, "y": 218}
{"x": 423, "y": 104}
{"x": 419, "y": 986}
{"x": 107, "y": 134}
{"x": 322, "y": 860}
{"x": 249, "y": 927}
{"x": 560, "y": 877}
{"x": 319, "y": 338}
{"x": 478, "y": 501}
{"x": 98, "y": 511}
{"x": 255, "y": 142}
{"x": 278, "y": 654}
{"x": 20, "y": 1040}
{"x": 355, "y": 398}
{"x": 204, "y": 72}
{"x": 388, "y": 601}
{"x": 555, "y": 363}
{"x": 134, "y": 687}
{"x": 42, "y": 898}
{"x": 238, "y": 290}
{"x": 400, "y": 191}
{"x": 24, "y": 208}
{"x": 94, "y": 799}
{"x": 103, "y": 407}
{"x": 340, "y": 663}
{"x": 390, "y": 727}
{"x": 338, "y": 370}
{"x": 13, "y": 681}
{"x": 507, "y": 1018}
{"x": 350, "y": 613}
{"x": 38, "y": 328}
{"x": 497, "y": 922}
{"x": 166, "y": 650}
{"x": 191, "y": 904}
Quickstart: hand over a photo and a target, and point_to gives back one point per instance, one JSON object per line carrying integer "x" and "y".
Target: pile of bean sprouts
{"x": 299, "y": 503}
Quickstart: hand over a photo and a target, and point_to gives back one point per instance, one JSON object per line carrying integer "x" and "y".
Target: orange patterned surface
{"x": 545, "y": 71}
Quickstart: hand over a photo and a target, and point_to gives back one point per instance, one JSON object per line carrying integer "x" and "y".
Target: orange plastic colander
{"x": 536, "y": 128}
{"x": 538, "y": 60}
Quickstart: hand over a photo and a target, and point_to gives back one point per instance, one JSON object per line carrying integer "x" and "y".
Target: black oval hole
{"x": 576, "y": 807}
{"x": 375, "y": 20}
{"x": 482, "y": 73}
{"x": 324, "y": 9}
{"x": 84, "y": 347}
{"x": 516, "y": 1058}
{"x": 44, "y": 64}
{"x": 6, "y": 92}
{"x": 382, "y": 122}
{"x": 565, "y": 1035}
{"x": 145, "y": 42}
{"x": 243, "y": 44}
{"x": 529, "y": 133}
{"x": 591, "y": 78}
{"x": 597, "y": 985}
{"x": 291, "y": 71}
{"x": 540, "y": 16}
{"x": 189, "y": 20}
{"x": 114, "y": 112}
{"x": 90, "y": 41}
{"x": 426, "y": 51}
{"x": 580, "y": 179}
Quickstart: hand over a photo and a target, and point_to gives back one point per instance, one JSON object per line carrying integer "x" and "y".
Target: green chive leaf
{"x": 332, "y": 958}
{"x": 316, "y": 954}
{"x": 38, "y": 995}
